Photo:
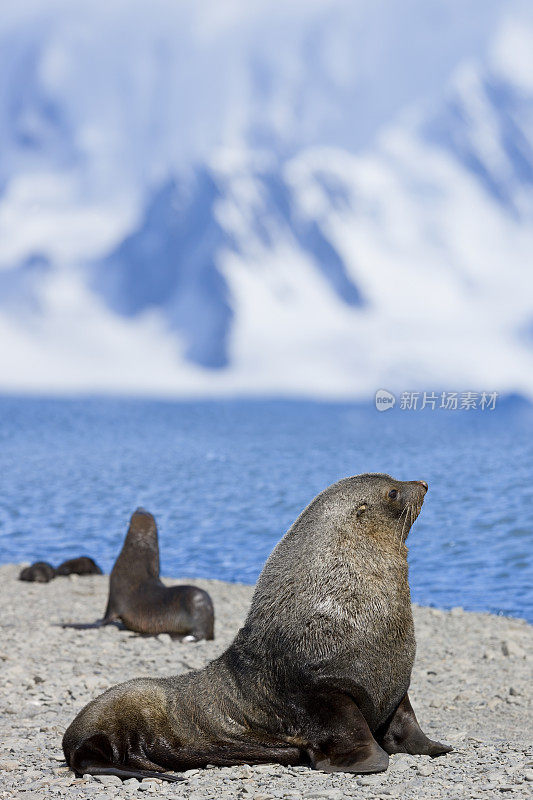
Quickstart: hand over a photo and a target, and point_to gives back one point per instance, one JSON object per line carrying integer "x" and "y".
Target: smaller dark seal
{"x": 139, "y": 598}
{"x": 40, "y": 572}
{"x": 79, "y": 566}
{"x": 43, "y": 572}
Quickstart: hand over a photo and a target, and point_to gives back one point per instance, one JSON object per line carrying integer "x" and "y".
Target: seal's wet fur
{"x": 140, "y": 599}
{"x": 319, "y": 672}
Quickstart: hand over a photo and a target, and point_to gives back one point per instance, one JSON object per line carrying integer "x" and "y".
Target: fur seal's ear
{"x": 361, "y": 510}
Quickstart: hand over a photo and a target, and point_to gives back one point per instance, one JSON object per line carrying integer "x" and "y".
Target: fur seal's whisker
{"x": 400, "y": 541}
{"x": 409, "y": 512}
{"x": 412, "y": 518}
{"x": 400, "y": 533}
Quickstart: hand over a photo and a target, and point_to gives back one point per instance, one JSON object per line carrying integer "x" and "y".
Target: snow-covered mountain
{"x": 308, "y": 198}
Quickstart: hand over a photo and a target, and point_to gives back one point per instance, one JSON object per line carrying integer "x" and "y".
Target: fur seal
{"x": 43, "y": 572}
{"x": 318, "y": 674}
{"x": 79, "y": 566}
{"x": 40, "y": 572}
{"x": 139, "y": 598}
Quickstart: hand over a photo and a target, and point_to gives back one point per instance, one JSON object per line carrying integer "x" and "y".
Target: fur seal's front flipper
{"x": 348, "y": 744}
{"x": 403, "y": 734}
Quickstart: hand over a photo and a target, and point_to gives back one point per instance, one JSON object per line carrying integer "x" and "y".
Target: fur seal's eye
{"x": 393, "y": 494}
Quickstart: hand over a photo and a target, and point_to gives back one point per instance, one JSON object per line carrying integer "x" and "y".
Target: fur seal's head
{"x": 142, "y": 529}
{"x": 382, "y": 505}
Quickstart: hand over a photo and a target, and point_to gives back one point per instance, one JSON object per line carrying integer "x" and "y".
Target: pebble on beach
{"x": 471, "y": 687}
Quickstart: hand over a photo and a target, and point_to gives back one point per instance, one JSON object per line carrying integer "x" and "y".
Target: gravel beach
{"x": 471, "y": 687}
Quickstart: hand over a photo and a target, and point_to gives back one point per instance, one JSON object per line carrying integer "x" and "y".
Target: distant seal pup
{"x": 40, "y": 572}
{"x": 79, "y": 566}
{"x": 139, "y": 598}
{"x": 318, "y": 674}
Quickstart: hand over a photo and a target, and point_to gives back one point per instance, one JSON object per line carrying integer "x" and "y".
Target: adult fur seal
{"x": 319, "y": 673}
{"x": 39, "y": 572}
{"x": 140, "y": 599}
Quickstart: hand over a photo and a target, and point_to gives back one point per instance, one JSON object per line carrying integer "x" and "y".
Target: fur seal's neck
{"x": 373, "y": 543}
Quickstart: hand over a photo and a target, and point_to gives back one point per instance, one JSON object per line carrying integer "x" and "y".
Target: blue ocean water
{"x": 225, "y": 480}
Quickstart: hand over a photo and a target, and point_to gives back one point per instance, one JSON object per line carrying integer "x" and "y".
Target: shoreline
{"x": 200, "y": 581}
{"x": 470, "y": 688}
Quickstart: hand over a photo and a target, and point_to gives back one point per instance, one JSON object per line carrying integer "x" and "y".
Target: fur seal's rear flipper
{"x": 105, "y": 753}
{"x": 86, "y": 626}
{"x": 125, "y": 773}
{"x": 402, "y": 734}
{"x": 98, "y": 754}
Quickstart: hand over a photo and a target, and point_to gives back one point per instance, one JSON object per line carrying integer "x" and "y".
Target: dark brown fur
{"x": 318, "y": 674}
{"x": 40, "y": 572}
{"x": 139, "y": 598}
{"x": 79, "y": 566}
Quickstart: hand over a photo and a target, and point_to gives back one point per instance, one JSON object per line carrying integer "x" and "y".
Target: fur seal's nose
{"x": 424, "y": 484}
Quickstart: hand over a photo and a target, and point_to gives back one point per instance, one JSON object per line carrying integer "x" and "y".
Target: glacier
{"x": 266, "y": 199}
